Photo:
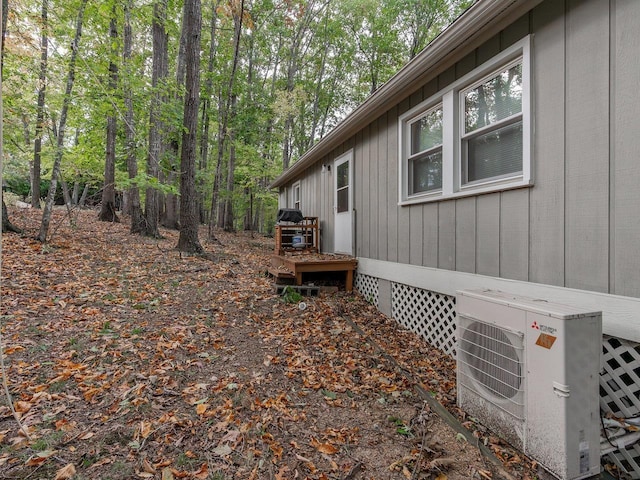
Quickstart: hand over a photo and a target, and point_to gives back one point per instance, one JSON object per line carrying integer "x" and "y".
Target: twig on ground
{"x": 5, "y": 384}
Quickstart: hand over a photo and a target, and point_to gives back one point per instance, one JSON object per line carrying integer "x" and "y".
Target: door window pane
{"x": 343, "y": 175}
{"x": 343, "y": 200}
{"x": 342, "y": 187}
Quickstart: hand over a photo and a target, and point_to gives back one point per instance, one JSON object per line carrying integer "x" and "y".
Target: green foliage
{"x": 302, "y": 67}
{"x": 291, "y": 295}
{"x": 144, "y": 181}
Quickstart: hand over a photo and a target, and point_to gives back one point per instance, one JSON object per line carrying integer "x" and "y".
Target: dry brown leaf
{"x": 201, "y": 408}
{"x": 22, "y": 406}
{"x": 281, "y": 473}
{"x": 101, "y": 462}
{"x": 202, "y": 473}
{"x": 145, "y": 429}
{"x": 147, "y": 467}
{"x": 327, "y": 448}
{"x": 40, "y": 458}
{"x": 167, "y": 474}
{"x": 66, "y": 472}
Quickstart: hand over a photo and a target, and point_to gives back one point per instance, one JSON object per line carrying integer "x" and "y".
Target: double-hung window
{"x": 473, "y": 136}
{"x": 491, "y": 126}
{"x": 425, "y": 159}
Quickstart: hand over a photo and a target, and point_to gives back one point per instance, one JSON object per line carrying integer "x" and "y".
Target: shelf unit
{"x": 308, "y": 229}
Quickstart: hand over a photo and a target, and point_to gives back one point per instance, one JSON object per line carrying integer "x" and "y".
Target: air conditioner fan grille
{"x": 491, "y": 358}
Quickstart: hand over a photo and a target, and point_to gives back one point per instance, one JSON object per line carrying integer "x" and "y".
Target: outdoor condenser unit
{"x": 529, "y": 371}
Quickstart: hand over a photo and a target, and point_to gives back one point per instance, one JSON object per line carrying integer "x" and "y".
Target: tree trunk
{"x": 55, "y": 171}
{"x": 192, "y": 24}
{"x": 170, "y": 211}
{"x": 170, "y": 215}
{"x": 248, "y": 214}
{"x": 108, "y": 209}
{"x": 231, "y": 171}
{"x": 156, "y": 123}
{"x": 83, "y": 198}
{"x": 75, "y": 193}
{"x": 224, "y": 109}
{"x": 206, "y": 114}
{"x": 37, "y": 146}
{"x": 134, "y": 207}
{"x": 7, "y": 226}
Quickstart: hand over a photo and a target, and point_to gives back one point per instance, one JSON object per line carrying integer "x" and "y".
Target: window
{"x": 473, "y": 136}
{"x": 425, "y": 160}
{"x": 492, "y": 126}
{"x": 296, "y": 196}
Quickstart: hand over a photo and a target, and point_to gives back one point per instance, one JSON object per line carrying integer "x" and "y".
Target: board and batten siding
{"x": 578, "y": 226}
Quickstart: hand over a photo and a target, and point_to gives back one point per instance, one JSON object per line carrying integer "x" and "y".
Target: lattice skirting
{"x": 368, "y": 288}
{"x": 429, "y": 314}
{"x": 432, "y": 316}
{"x": 620, "y": 393}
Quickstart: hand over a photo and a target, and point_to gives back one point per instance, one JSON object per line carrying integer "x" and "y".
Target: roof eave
{"x": 476, "y": 25}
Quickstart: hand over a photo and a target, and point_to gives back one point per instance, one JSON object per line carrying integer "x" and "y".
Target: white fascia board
{"x": 620, "y": 315}
{"x": 476, "y": 25}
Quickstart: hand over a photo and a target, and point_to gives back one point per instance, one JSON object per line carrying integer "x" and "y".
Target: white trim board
{"x": 620, "y": 315}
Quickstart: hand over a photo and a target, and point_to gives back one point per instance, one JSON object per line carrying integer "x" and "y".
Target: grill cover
{"x": 289, "y": 215}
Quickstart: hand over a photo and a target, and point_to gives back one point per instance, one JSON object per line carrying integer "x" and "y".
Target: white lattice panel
{"x": 368, "y": 288}
{"x": 620, "y": 393}
{"x": 429, "y": 314}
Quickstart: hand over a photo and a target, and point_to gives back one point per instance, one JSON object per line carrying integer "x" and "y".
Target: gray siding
{"x": 587, "y": 146}
{"x": 547, "y": 208}
{"x": 625, "y": 149}
{"x": 577, "y": 226}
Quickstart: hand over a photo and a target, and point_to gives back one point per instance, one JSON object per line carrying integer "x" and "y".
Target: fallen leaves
{"x": 324, "y": 447}
{"x": 131, "y": 361}
{"x": 66, "y": 472}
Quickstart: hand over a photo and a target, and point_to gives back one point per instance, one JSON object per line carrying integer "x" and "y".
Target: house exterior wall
{"x": 572, "y": 237}
{"x": 575, "y": 227}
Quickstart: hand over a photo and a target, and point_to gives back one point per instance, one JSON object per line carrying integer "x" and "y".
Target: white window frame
{"x": 452, "y": 128}
{"x": 296, "y": 196}
{"x": 410, "y": 157}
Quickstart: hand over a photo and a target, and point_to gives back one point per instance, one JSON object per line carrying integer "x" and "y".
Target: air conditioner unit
{"x": 528, "y": 370}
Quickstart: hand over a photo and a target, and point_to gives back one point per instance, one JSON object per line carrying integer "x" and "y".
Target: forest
{"x": 178, "y": 114}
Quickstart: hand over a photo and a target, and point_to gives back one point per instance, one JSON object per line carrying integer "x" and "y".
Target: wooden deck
{"x": 295, "y": 266}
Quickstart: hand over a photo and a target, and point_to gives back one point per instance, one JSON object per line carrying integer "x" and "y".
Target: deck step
{"x": 306, "y": 290}
{"x": 279, "y": 273}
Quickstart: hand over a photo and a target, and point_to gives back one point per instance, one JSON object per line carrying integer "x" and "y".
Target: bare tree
{"x": 55, "y": 172}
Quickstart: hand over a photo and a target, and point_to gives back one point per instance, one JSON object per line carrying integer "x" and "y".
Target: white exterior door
{"x": 343, "y": 204}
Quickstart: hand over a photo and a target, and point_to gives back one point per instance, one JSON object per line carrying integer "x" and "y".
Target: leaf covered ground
{"x": 126, "y": 359}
